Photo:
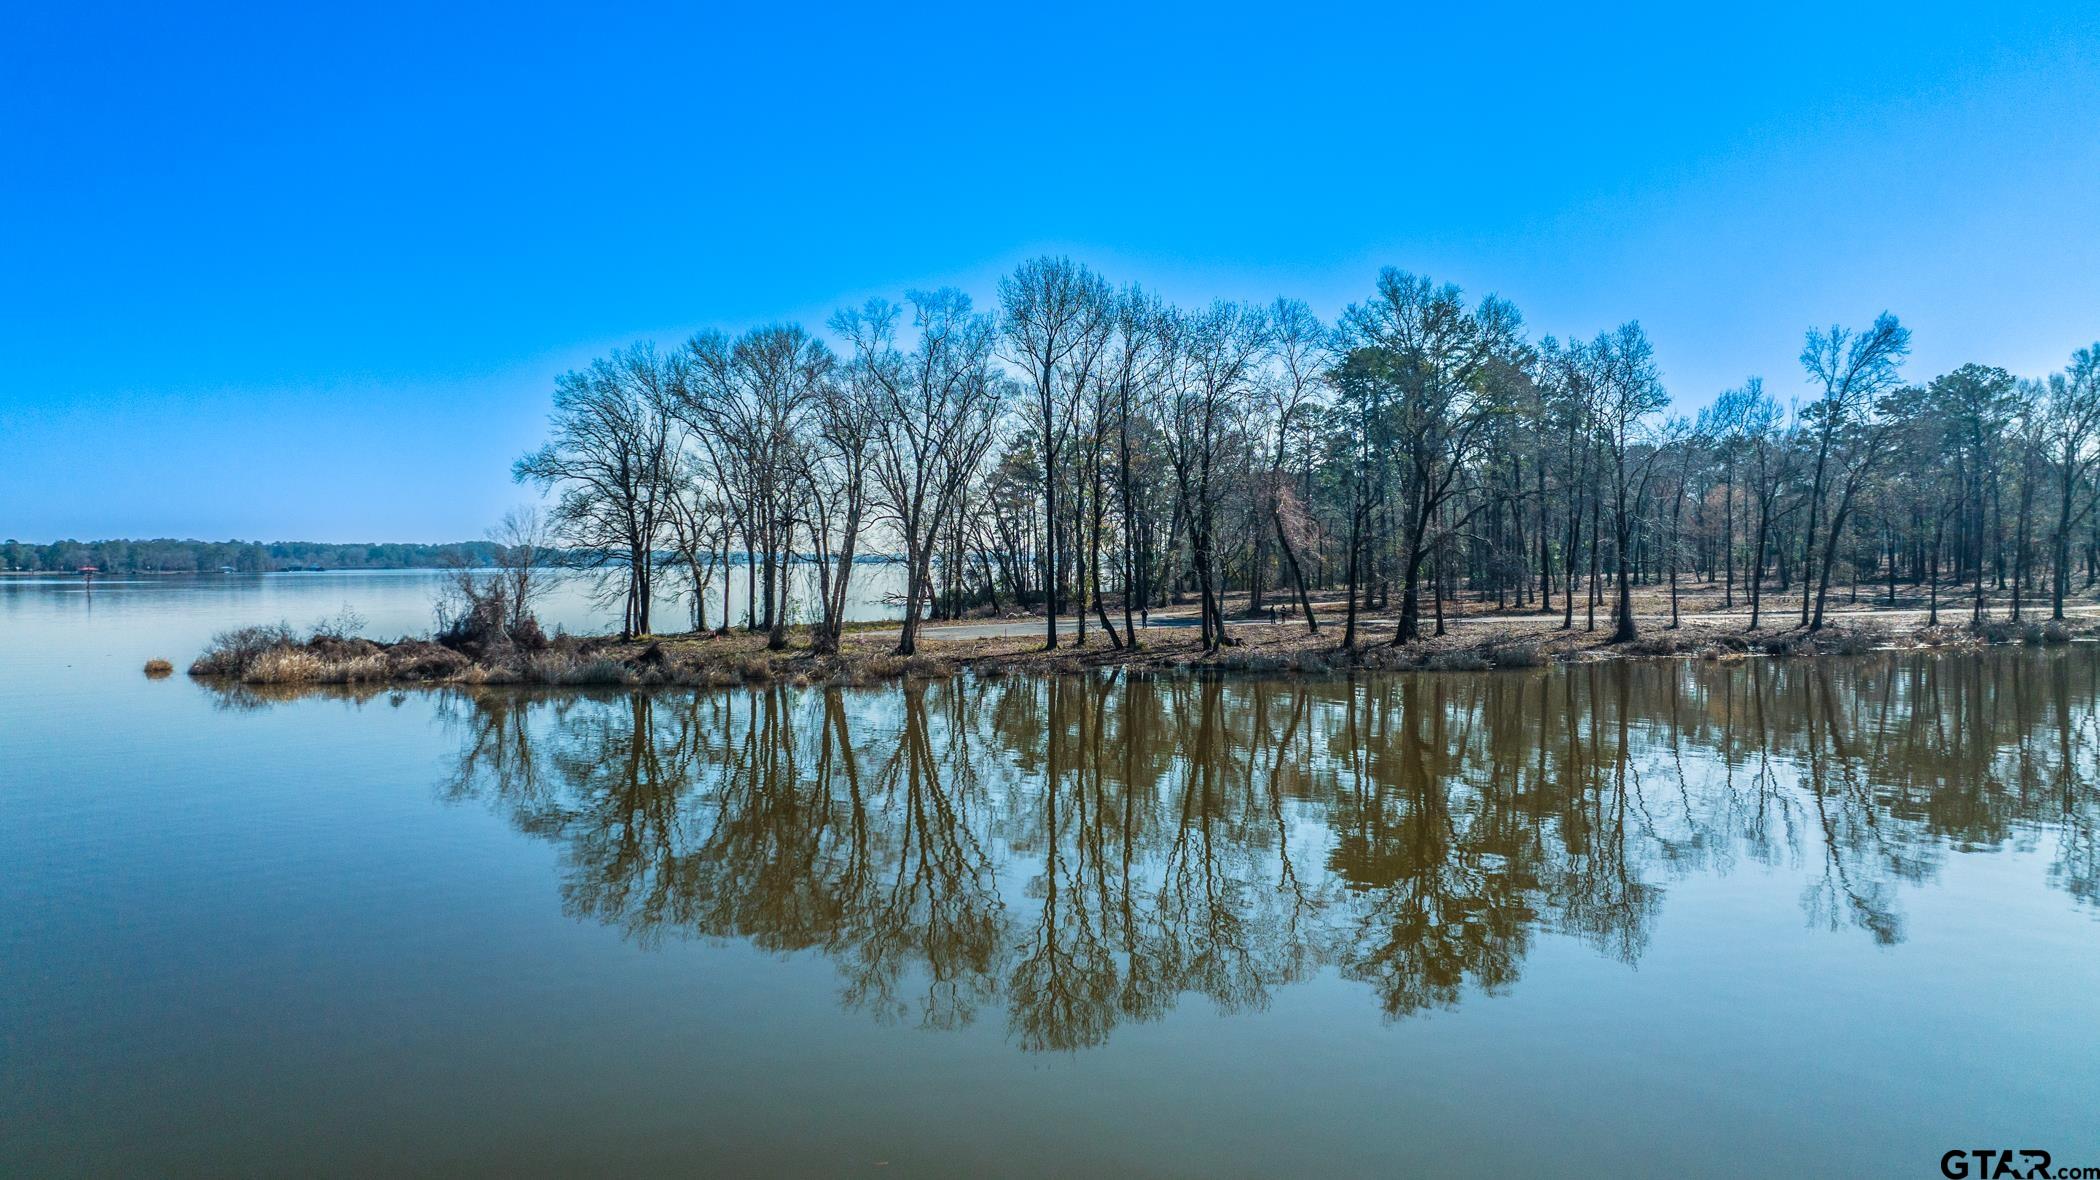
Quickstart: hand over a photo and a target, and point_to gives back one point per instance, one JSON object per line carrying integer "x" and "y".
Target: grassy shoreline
{"x": 276, "y": 656}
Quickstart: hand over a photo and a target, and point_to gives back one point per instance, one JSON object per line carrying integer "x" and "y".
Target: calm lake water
{"x": 1795, "y": 918}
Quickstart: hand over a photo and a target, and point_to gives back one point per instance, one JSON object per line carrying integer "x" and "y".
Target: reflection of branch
{"x": 1456, "y": 818}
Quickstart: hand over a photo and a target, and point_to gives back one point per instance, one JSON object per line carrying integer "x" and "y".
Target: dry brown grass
{"x": 157, "y": 669}
{"x": 283, "y": 665}
{"x": 275, "y": 657}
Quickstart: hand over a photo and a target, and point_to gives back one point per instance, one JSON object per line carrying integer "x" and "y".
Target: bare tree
{"x": 1361, "y": 385}
{"x": 1568, "y": 395}
{"x": 845, "y": 420}
{"x": 1628, "y": 395}
{"x": 1974, "y": 405}
{"x": 1138, "y": 356}
{"x": 1438, "y": 350}
{"x": 937, "y": 408}
{"x": 1302, "y": 350}
{"x": 1219, "y": 351}
{"x": 1058, "y": 314}
{"x": 1855, "y": 369}
{"x": 524, "y": 559}
{"x": 699, "y": 526}
{"x": 610, "y": 459}
{"x": 1753, "y": 420}
{"x": 2073, "y": 439}
{"x": 753, "y": 396}
{"x": 2029, "y": 439}
{"x": 1689, "y": 444}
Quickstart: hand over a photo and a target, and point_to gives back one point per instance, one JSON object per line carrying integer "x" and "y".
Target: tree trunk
{"x": 777, "y": 638}
{"x": 1290, "y": 560}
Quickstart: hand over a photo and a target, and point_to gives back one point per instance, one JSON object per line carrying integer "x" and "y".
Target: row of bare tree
{"x": 1090, "y": 452}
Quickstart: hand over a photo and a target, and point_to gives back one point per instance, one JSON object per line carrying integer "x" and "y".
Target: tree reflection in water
{"x": 1084, "y": 851}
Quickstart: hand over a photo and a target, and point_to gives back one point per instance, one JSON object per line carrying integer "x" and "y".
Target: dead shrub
{"x": 1668, "y": 643}
{"x": 1517, "y": 655}
{"x": 599, "y": 671}
{"x": 1784, "y": 645}
{"x": 230, "y": 652}
{"x": 549, "y": 667}
{"x": 418, "y": 660}
{"x": 484, "y": 617}
{"x": 1457, "y": 661}
{"x": 880, "y": 667}
{"x": 345, "y": 624}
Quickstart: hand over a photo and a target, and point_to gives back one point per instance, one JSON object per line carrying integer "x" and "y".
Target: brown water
{"x": 1792, "y": 917}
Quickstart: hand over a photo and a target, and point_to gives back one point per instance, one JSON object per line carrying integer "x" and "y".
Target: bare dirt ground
{"x": 1475, "y": 635}
{"x": 1479, "y": 634}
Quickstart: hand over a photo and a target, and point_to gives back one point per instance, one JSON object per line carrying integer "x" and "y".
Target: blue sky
{"x": 309, "y": 272}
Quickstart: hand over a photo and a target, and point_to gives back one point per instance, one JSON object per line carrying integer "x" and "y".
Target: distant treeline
{"x": 248, "y": 557}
